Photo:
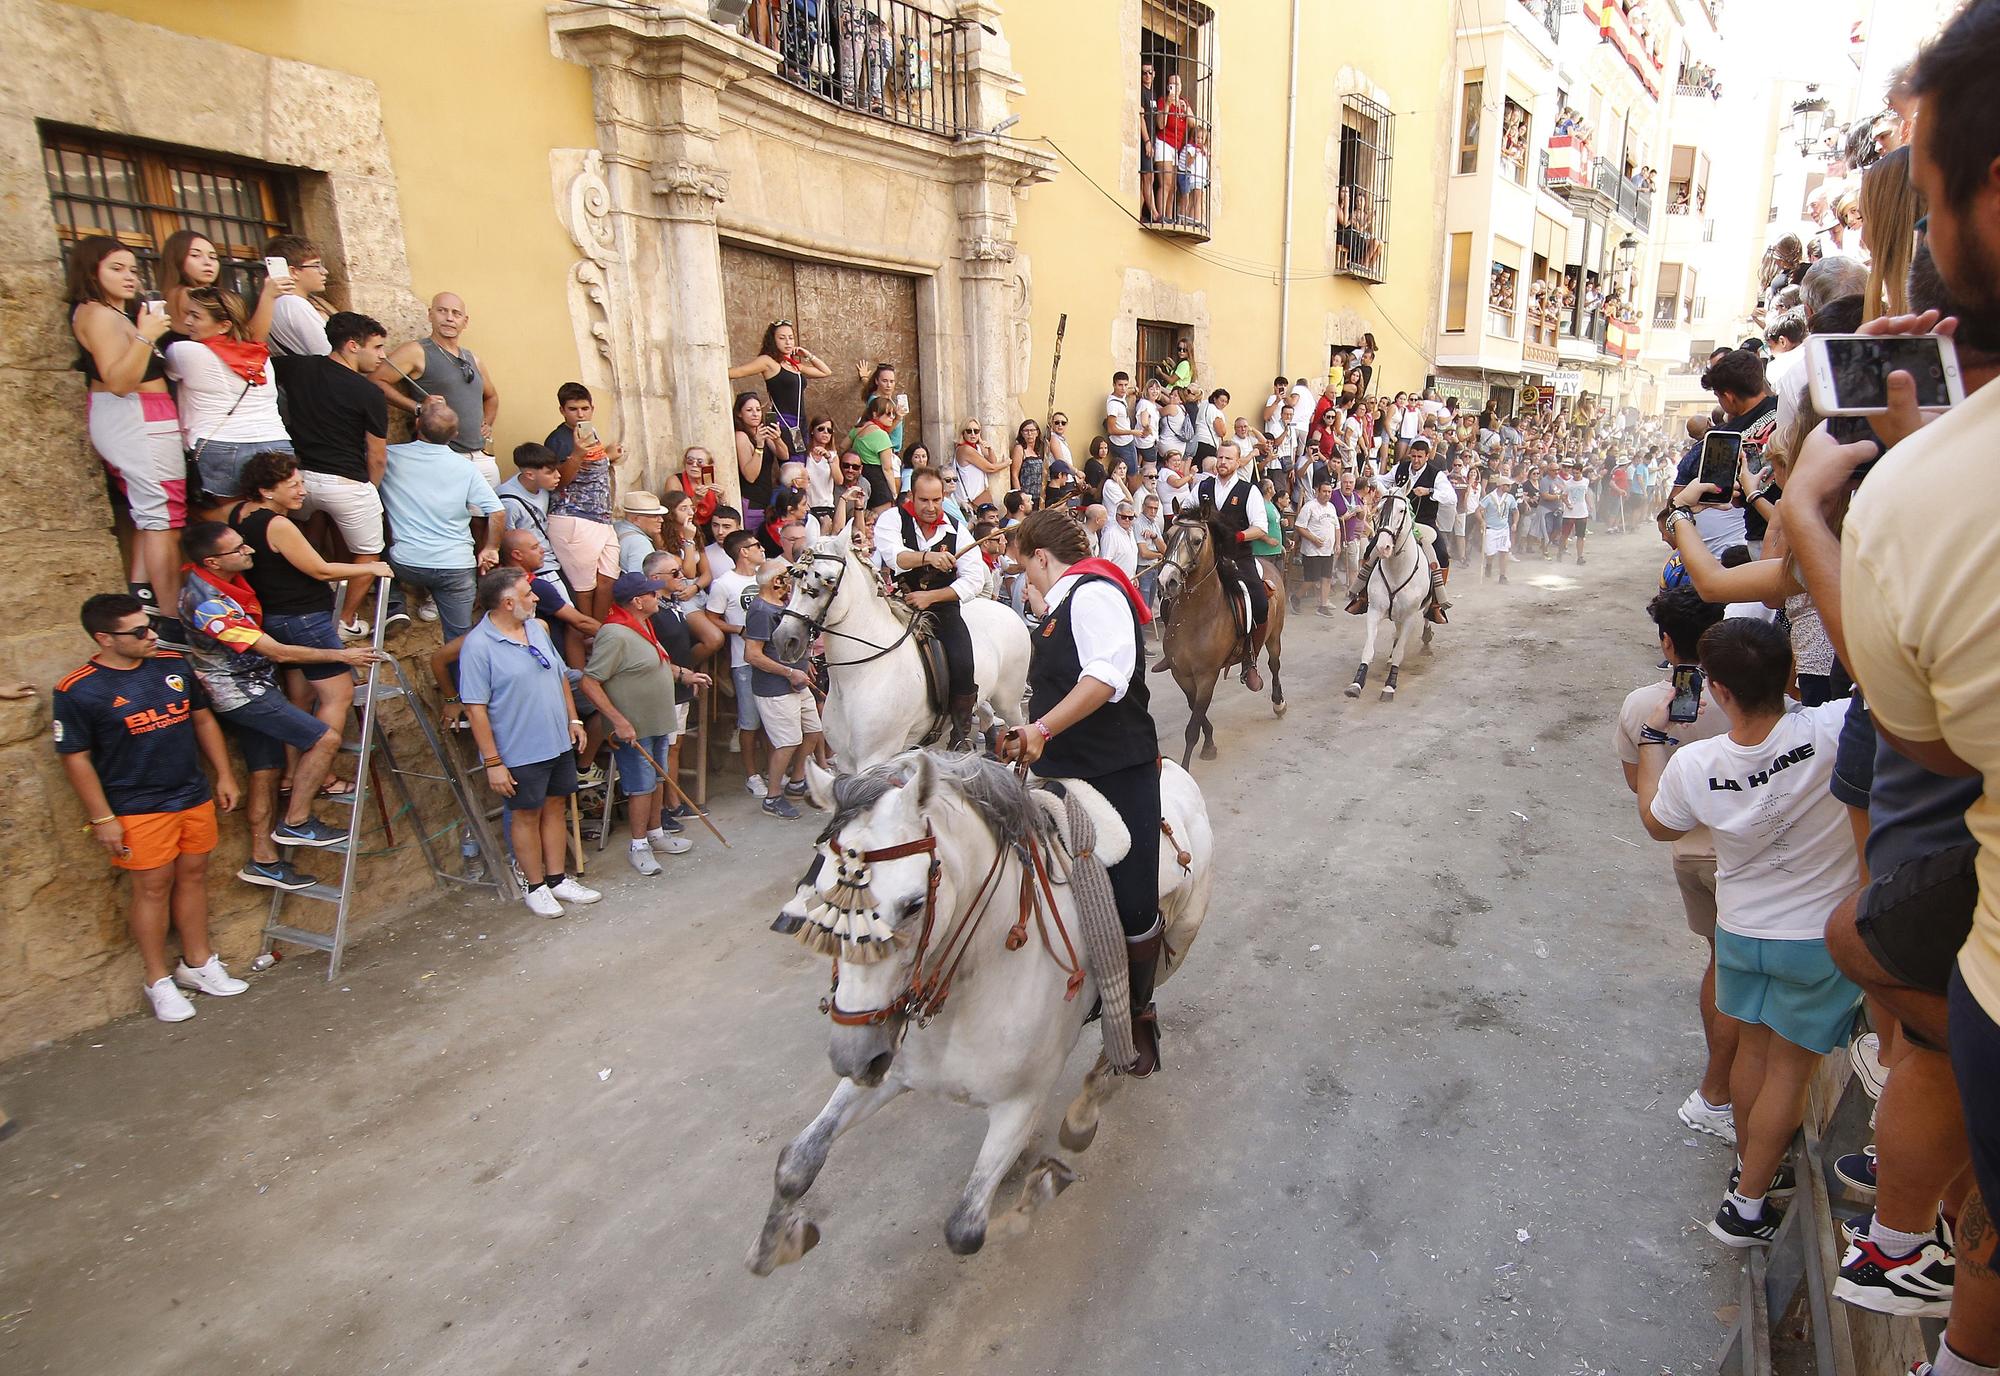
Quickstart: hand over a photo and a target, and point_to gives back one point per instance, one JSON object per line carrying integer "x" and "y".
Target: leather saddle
{"x": 930, "y": 654}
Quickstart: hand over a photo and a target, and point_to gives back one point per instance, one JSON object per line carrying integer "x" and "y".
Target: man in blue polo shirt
{"x": 517, "y": 701}
{"x": 429, "y": 489}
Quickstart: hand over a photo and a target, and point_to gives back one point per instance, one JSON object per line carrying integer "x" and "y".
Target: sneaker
{"x": 669, "y": 823}
{"x": 1922, "y": 1369}
{"x": 572, "y": 891}
{"x": 208, "y": 978}
{"x": 395, "y": 620}
{"x": 1916, "y": 1286}
{"x": 311, "y": 832}
{"x": 1856, "y": 1170}
{"x": 681, "y": 812}
{"x": 543, "y": 903}
{"x": 778, "y": 807}
{"x": 1864, "y": 1053}
{"x": 1856, "y": 1229}
{"x": 427, "y": 612}
{"x": 1733, "y": 1230}
{"x": 1783, "y": 1185}
{"x": 275, "y": 874}
{"x": 1698, "y": 1114}
{"x": 592, "y": 777}
{"x": 665, "y": 842}
{"x": 755, "y": 783}
{"x": 356, "y": 629}
{"x": 795, "y": 788}
{"x": 169, "y": 1003}
{"x": 641, "y": 857}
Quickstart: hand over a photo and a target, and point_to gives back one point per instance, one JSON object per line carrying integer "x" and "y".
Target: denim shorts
{"x": 312, "y": 629}
{"x": 221, "y": 463}
{"x": 746, "y": 700}
{"x": 1791, "y": 987}
{"x": 265, "y": 725}
{"x": 636, "y": 775}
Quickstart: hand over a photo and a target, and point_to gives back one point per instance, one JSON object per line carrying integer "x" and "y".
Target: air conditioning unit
{"x": 728, "y": 13}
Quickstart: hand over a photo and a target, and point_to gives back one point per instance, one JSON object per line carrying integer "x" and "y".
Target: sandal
{"x": 336, "y": 788}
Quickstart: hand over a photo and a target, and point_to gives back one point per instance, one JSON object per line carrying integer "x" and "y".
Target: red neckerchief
{"x": 1104, "y": 568}
{"x": 242, "y": 592}
{"x": 618, "y": 616}
{"x": 241, "y": 357}
{"x": 918, "y": 521}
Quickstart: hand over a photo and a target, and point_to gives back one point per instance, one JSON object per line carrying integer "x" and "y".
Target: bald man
{"x": 439, "y": 366}
{"x": 569, "y": 628}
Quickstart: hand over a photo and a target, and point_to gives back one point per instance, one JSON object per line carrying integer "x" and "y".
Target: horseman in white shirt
{"x": 936, "y": 563}
{"x": 1239, "y": 518}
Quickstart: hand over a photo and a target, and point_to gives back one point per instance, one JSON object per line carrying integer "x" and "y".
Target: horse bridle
{"x": 1382, "y": 519}
{"x": 816, "y": 625}
{"x": 1170, "y": 561}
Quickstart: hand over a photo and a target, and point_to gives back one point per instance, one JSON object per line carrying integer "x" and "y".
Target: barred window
{"x": 140, "y": 194}
{"x": 1177, "y": 40}
{"x": 1367, "y": 135}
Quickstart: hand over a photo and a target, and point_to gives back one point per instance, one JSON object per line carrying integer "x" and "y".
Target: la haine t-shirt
{"x": 729, "y": 597}
{"x": 1784, "y": 854}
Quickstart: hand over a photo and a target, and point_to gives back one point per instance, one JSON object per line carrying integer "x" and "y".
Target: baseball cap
{"x": 631, "y": 585}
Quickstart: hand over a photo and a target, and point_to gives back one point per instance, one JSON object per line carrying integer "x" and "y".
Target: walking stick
{"x": 1042, "y": 496}
{"x": 668, "y": 780}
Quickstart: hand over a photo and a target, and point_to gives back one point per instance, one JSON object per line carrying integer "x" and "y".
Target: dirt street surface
{"x": 1418, "y": 1112}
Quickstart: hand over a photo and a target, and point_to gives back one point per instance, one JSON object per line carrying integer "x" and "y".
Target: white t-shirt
{"x": 1116, "y": 409}
{"x": 1576, "y": 499}
{"x": 1319, "y": 529}
{"x": 1205, "y": 417}
{"x": 819, "y": 480}
{"x": 1413, "y": 423}
{"x": 1146, "y": 420}
{"x": 1120, "y": 548}
{"x": 1639, "y": 705}
{"x": 207, "y": 391}
{"x": 972, "y": 480}
{"x": 1784, "y": 853}
{"x": 729, "y": 598}
{"x": 719, "y": 562}
{"x": 297, "y": 328}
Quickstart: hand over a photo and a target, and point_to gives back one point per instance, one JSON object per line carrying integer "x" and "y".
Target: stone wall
{"x": 65, "y": 960}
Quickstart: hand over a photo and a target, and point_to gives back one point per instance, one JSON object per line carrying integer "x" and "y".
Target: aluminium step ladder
{"x": 386, "y": 683}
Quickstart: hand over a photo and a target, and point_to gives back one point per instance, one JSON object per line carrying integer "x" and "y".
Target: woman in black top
{"x": 760, "y": 451}
{"x": 294, "y": 585}
{"x": 784, "y": 365}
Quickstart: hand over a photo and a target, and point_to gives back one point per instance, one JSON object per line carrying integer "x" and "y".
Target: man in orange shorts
{"x": 132, "y": 727}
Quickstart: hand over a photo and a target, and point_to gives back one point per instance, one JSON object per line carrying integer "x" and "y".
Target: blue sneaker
{"x": 1856, "y": 1170}
{"x": 311, "y": 832}
{"x": 276, "y": 874}
{"x": 670, "y": 825}
{"x": 778, "y": 807}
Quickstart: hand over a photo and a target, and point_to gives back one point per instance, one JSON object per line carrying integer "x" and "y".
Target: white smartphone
{"x": 155, "y": 303}
{"x": 278, "y": 268}
{"x": 1848, "y": 374}
{"x": 903, "y": 401}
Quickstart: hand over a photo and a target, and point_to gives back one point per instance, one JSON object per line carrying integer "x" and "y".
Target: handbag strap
{"x": 225, "y": 420}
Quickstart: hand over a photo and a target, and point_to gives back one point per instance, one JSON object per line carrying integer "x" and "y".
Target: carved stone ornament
{"x": 691, "y": 188}
{"x": 586, "y": 215}
{"x": 985, "y": 248}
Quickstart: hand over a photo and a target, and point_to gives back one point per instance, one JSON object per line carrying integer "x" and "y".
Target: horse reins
{"x": 816, "y": 625}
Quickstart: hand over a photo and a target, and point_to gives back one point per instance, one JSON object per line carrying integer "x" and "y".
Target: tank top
{"x": 278, "y": 583}
{"x": 757, "y": 492}
{"x": 788, "y": 395}
{"x": 445, "y": 376}
{"x": 156, "y": 366}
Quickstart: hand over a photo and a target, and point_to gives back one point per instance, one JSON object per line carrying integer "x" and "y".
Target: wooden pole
{"x": 1048, "y": 428}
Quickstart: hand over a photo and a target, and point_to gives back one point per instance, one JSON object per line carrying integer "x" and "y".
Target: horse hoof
{"x": 1388, "y": 693}
{"x": 1208, "y": 752}
{"x": 1077, "y": 1139}
{"x": 1278, "y": 709}
{"x": 787, "y": 1236}
{"x": 1354, "y": 690}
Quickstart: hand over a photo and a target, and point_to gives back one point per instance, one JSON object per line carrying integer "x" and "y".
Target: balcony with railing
{"x": 1548, "y": 13}
{"x": 1635, "y": 203}
{"x": 890, "y": 59}
{"x": 1615, "y": 26}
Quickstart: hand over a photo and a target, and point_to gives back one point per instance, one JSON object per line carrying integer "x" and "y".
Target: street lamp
{"x": 1810, "y": 118}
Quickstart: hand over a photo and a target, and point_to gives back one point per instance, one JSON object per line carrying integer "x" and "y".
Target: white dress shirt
{"x": 1102, "y": 623}
{"x": 971, "y": 575}
{"x": 1220, "y": 492}
{"x": 1115, "y": 543}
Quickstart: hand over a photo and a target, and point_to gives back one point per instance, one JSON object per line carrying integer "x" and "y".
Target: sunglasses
{"x": 540, "y": 658}
{"x": 143, "y": 632}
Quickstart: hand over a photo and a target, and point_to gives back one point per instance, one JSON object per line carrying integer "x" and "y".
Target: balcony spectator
{"x": 132, "y": 728}
{"x": 580, "y": 525}
{"x": 1192, "y": 181}
{"x": 1171, "y": 134}
{"x": 339, "y": 423}
{"x": 226, "y": 395}
{"x": 299, "y": 315}
{"x": 785, "y": 365}
{"x": 524, "y": 721}
{"x": 438, "y": 365}
{"x": 631, "y": 679}
{"x": 190, "y": 260}
{"x": 1149, "y": 124}
{"x": 427, "y": 487}
{"x": 236, "y": 662}
{"x": 133, "y": 424}
{"x": 293, "y": 585}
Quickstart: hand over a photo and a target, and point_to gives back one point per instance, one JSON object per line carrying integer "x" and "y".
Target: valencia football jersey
{"x": 138, "y": 726}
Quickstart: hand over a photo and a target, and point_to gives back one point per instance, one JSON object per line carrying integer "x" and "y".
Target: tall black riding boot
{"x": 962, "y": 705}
{"x": 1143, "y": 955}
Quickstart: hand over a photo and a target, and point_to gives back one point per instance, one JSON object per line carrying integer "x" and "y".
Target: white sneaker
{"x": 1864, "y": 1053}
{"x": 755, "y": 783}
{"x": 641, "y": 856}
{"x": 570, "y": 891}
{"x": 666, "y": 843}
{"x": 427, "y": 612}
{"x": 169, "y": 1003}
{"x": 356, "y": 629}
{"x": 543, "y": 903}
{"x": 209, "y": 978}
{"x": 1698, "y": 1114}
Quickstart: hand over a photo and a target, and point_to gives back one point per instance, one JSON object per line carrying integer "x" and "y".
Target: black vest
{"x": 1117, "y": 735}
{"x": 1232, "y": 516}
{"x": 926, "y": 579}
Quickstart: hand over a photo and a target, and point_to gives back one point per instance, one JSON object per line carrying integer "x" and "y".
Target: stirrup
{"x": 1146, "y": 1042}
{"x": 1357, "y": 603}
{"x": 1434, "y": 613}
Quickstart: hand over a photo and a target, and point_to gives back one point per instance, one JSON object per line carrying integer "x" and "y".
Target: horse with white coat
{"x": 919, "y": 850}
{"x": 1398, "y": 584}
{"x": 876, "y": 701}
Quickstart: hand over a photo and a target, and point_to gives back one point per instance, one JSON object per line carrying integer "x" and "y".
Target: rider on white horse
{"x": 937, "y": 564}
{"x": 1420, "y": 475}
{"x": 1091, "y": 721}
{"x": 1239, "y": 512}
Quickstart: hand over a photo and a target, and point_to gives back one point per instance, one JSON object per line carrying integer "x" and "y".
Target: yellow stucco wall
{"x": 1080, "y": 65}
{"x": 472, "y": 101}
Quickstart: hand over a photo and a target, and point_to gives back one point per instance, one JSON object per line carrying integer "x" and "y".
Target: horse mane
{"x": 990, "y": 789}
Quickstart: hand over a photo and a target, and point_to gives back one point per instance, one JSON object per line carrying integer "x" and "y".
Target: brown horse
{"x": 1200, "y": 639}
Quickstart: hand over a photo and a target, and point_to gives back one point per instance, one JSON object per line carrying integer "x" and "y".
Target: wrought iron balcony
{"x": 888, "y": 58}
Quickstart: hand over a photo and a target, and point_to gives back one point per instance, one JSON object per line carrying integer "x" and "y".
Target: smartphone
{"x": 586, "y": 435}
{"x": 1848, "y": 374}
{"x": 1720, "y": 451}
{"x": 154, "y": 302}
{"x": 902, "y": 401}
{"x": 1686, "y": 704}
{"x": 278, "y": 267}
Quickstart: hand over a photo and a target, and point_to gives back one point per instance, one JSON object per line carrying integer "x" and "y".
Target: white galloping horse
{"x": 924, "y": 859}
{"x": 1398, "y": 584}
{"x": 876, "y": 703}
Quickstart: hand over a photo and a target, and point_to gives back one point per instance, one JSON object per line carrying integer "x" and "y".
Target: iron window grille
{"x": 1177, "y": 40}
{"x": 1367, "y": 152}
{"x": 141, "y": 194}
{"x": 888, "y": 58}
